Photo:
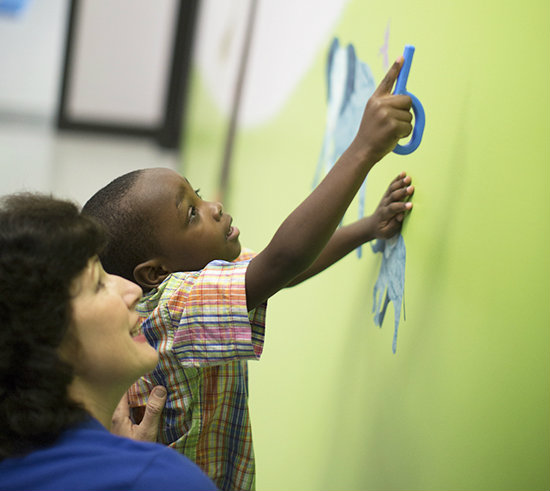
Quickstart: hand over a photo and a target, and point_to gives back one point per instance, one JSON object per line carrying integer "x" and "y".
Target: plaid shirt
{"x": 199, "y": 323}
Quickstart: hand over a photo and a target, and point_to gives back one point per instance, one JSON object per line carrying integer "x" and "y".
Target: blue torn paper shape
{"x": 12, "y": 7}
{"x": 391, "y": 281}
{"x": 349, "y": 85}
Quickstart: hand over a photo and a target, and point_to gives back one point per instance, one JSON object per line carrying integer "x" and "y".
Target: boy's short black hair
{"x": 130, "y": 232}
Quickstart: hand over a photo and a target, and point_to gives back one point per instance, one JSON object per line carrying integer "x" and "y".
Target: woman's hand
{"x": 147, "y": 429}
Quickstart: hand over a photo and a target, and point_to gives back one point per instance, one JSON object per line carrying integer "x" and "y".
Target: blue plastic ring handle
{"x": 418, "y": 110}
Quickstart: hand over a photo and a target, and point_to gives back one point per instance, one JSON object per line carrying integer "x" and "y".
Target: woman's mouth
{"x": 136, "y": 330}
{"x": 137, "y": 334}
{"x": 140, "y": 338}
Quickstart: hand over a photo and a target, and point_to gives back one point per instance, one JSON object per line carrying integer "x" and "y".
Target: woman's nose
{"x": 129, "y": 291}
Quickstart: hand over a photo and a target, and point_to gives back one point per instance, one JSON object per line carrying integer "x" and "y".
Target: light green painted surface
{"x": 464, "y": 404}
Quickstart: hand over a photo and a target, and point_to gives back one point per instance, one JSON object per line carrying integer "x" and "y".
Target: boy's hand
{"x": 388, "y": 216}
{"x": 387, "y": 118}
{"x": 147, "y": 430}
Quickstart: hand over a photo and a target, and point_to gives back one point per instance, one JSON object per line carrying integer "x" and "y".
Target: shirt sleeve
{"x": 209, "y": 319}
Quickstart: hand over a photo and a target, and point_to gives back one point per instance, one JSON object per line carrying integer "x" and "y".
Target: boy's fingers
{"x": 398, "y": 179}
{"x": 403, "y": 102}
{"x": 401, "y": 181}
{"x": 399, "y": 207}
{"x": 401, "y": 175}
{"x": 400, "y": 127}
{"x": 398, "y": 183}
{"x": 403, "y": 128}
{"x": 402, "y": 193}
{"x": 387, "y": 82}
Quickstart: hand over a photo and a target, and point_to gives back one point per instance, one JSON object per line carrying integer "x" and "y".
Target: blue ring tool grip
{"x": 418, "y": 110}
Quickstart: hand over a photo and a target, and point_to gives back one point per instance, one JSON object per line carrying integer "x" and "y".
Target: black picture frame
{"x": 168, "y": 133}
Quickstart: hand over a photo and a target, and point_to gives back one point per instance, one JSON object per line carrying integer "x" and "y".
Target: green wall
{"x": 464, "y": 403}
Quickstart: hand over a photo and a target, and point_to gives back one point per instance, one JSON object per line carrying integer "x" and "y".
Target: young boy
{"x": 205, "y": 301}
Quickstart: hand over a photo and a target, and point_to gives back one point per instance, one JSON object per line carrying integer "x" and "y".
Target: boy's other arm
{"x": 384, "y": 223}
{"x": 305, "y": 233}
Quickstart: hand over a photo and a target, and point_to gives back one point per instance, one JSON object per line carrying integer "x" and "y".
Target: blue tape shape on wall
{"x": 349, "y": 85}
{"x": 391, "y": 281}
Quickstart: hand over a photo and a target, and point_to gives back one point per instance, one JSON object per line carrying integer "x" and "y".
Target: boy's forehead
{"x": 160, "y": 182}
{"x": 161, "y": 173}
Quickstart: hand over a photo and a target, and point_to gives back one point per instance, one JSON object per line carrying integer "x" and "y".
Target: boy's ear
{"x": 150, "y": 274}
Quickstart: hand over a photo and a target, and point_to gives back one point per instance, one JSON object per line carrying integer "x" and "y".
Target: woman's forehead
{"x": 87, "y": 276}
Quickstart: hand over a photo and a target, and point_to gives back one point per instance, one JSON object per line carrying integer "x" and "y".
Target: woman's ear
{"x": 150, "y": 274}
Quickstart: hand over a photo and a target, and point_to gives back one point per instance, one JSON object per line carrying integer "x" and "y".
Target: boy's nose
{"x": 217, "y": 210}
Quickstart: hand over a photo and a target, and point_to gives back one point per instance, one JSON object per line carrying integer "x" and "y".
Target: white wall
{"x": 34, "y": 156}
{"x": 31, "y": 58}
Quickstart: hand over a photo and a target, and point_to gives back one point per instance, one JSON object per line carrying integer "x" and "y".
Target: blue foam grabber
{"x": 418, "y": 110}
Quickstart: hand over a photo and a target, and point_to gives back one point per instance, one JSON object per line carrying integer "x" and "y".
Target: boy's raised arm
{"x": 384, "y": 223}
{"x": 306, "y": 231}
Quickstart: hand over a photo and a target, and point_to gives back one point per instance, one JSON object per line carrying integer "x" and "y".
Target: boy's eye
{"x": 197, "y": 191}
{"x": 192, "y": 212}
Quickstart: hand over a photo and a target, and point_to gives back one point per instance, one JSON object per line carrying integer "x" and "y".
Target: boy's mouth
{"x": 232, "y": 232}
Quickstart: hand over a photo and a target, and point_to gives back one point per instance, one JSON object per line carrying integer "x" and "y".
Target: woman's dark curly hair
{"x": 45, "y": 243}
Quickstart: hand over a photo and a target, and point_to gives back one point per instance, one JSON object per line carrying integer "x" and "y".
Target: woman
{"x": 67, "y": 356}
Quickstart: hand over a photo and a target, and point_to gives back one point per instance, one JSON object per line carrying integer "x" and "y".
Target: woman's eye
{"x": 100, "y": 285}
